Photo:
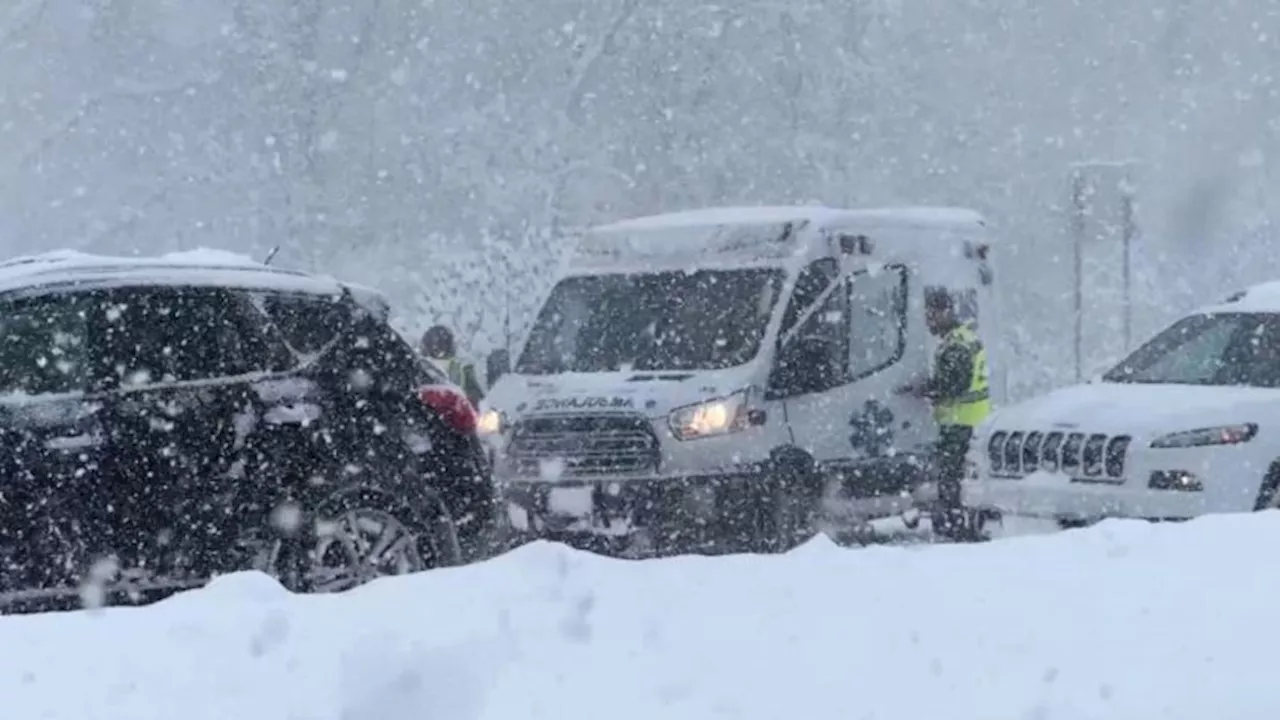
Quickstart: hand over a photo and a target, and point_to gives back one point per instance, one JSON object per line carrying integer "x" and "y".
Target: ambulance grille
{"x": 584, "y": 446}
{"x": 1085, "y": 457}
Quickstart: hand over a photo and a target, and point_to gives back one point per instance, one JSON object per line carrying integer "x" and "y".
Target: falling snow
{"x": 269, "y": 202}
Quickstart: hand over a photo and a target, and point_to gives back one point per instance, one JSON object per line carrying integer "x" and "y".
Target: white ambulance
{"x": 714, "y": 379}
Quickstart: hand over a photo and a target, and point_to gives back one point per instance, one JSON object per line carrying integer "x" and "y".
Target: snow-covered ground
{"x": 1123, "y": 620}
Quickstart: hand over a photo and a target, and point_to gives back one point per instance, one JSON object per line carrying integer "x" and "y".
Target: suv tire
{"x": 356, "y": 536}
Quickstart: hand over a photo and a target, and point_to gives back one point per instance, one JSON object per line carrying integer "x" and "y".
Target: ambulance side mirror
{"x": 496, "y": 365}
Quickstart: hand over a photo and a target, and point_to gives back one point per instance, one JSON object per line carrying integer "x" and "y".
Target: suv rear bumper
{"x": 67, "y": 597}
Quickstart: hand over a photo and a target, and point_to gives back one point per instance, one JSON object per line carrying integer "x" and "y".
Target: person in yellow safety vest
{"x": 438, "y": 344}
{"x": 959, "y": 388}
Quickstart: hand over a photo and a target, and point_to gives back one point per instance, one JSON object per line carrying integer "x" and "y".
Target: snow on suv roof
{"x": 769, "y": 215}
{"x": 1263, "y": 297}
{"x": 203, "y": 267}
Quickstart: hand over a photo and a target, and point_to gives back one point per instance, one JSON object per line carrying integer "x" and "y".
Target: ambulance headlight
{"x": 710, "y": 418}
{"x": 1201, "y": 437}
{"x": 490, "y": 422}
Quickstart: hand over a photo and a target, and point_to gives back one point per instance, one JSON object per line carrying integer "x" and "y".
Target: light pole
{"x": 1087, "y": 178}
{"x": 1128, "y": 229}
{"x": 1079, "y": 209}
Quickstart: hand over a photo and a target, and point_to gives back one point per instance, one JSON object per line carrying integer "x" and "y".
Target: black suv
{"x": 166, "y": 420}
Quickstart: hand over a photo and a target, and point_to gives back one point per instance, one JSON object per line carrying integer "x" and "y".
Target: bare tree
{"x": 574, "y": 114}
{"x": 24, "y": 16}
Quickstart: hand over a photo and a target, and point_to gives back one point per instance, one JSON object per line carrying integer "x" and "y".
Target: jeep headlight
{"x": 1201, "y": 437}
{"x": 490, "y": 422}
{"x": 710, "y": 418}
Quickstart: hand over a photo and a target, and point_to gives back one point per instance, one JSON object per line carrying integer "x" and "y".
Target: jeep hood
{"x": 1137, "y": 409}
{"x": 651, "y": 393}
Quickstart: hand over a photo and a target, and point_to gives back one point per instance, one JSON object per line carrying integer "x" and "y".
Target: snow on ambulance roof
{"x": 737, "y": 235}
{"x": 686, "y": 244}
{"x": 202, "y": 267}
{"x": 817, "y": 214}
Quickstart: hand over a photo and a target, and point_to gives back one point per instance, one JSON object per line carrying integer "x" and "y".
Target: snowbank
{"x": 1125, "y": 620}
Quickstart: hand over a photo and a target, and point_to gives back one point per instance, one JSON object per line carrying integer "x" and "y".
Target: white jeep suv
{"x": 1186, "y": 425}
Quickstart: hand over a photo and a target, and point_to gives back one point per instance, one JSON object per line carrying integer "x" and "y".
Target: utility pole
{"x": 1129, "y": 230}
{"x": 1079, "y": 209}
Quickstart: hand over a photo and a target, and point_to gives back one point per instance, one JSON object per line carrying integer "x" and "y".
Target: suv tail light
{"x": 451, "y": 405}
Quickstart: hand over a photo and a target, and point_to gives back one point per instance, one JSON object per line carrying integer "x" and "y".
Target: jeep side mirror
{"x": 496, "y": 365}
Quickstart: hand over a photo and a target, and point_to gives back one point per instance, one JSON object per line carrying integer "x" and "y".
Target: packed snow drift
{"x": 1123, "y": 620}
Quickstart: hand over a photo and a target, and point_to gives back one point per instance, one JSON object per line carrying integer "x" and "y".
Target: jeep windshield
{"x": 701, "y": 320}
{"x": 1208, "y": 349}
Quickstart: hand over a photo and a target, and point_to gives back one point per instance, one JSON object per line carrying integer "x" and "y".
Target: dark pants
{"x": 953, "y": 444}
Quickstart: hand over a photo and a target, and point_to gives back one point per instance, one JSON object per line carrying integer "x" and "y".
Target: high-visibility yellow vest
{"x": 971, "y": 408}
{"x": 456, "y": 370}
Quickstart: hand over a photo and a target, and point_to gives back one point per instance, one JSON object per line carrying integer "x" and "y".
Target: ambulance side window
{"x": 877, "y": 320}
{"x": 812, "y": 281}
{"x": 816, "y": 359}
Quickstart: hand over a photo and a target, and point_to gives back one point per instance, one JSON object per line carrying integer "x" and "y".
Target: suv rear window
{"x": 175, "y": 334}
{"x": 307, "y": 322}
{"x": 44, "y": 344}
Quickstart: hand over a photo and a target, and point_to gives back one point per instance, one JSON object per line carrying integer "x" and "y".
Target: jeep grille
{"x": 1087, "y": 457}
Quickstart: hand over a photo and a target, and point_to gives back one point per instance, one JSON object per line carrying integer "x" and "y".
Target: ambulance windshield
{"x": 672, "y": 320}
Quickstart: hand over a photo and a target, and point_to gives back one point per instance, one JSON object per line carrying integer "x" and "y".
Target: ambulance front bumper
{"x": 619, "y": 506}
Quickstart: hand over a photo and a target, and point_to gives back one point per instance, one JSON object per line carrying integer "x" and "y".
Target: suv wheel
{"x": 360, "y": 545}
{"x": 359, "y": 537}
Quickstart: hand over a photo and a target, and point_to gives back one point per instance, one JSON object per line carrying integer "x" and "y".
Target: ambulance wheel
{"x": 793, "y": 495}
{"x": 698, "y": 518}
{"x": 1075, "y": 523}
{"x": 971, "y": 526}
